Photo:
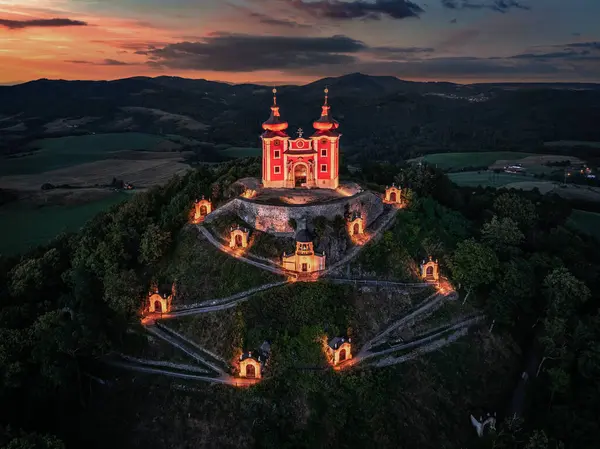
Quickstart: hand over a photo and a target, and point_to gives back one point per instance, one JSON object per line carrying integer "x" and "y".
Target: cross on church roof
{"x": 300, "y": 132}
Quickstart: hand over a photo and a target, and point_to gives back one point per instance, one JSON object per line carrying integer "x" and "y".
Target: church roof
{"x": 329, "y": 133}
{"x": 275, "y": 123}
{"x": 271, "y": 134}
{"x": 326, "y": 122}
{"x": 303, "y": 236}
{"x": 336, "y": 342}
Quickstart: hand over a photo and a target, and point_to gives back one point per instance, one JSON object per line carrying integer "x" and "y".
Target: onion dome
{"x": 325, "y": 122}
{"x": 303, "y": 236}
{"x": 275, "y": 122}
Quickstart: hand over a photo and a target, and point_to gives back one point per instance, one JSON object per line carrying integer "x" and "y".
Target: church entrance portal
{"x": 158, "y": 307}
{"x": 300, "y": 175}
{"x": 250, "y": 371}
{"x": 356, "y": 228}
{"x": 393, "y": 197}
{"x": 429, "y": 272}
{"x": 304, "y": 267}
{"x": 238, "y": 241}
{"x": 342, "y": 355}
{"x": 203, "y": 210}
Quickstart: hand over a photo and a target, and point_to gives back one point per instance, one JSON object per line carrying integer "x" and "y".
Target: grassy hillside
{"x": 53, "y": 153}
{"x": 586, "y": 222}
{"x": 23, "y": 228}
{"x": 457, "y": 161}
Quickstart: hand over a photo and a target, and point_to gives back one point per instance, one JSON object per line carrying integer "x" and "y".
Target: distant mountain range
{"x": 381, "y": 117}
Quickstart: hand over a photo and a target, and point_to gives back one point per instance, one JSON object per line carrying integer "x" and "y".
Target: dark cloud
{"x": 399, "y": 53}
{"x": 239, "y": 52}
{"x": 589, "y": 45}
{"x": 495, "y": 5}
{"x": 359, "y": 9}
{"x": 575, "y": 51}
{"x": 336, "y": 55}
{"x": 49, "y": 23}
{"x": 453, "y": 21}
{"x": 269, "y": 20}
{"x": 113, "y": 62}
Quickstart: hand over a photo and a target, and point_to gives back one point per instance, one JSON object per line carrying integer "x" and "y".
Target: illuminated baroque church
{"x": 301, "y": 162}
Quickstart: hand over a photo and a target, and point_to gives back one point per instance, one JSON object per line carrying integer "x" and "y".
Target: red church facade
{"x": 301, "y": 162}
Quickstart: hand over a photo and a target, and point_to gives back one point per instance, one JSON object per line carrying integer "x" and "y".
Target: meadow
{"x": 486, "y": 178}
{"x": 54, "y": 153}
{"x": 586, "y": 222}
{"x": 572, "y": 143}
{"x": 23, "y": 227}
{"x": 458, "y": 161}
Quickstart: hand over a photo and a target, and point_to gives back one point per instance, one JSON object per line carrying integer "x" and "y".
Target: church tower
{"x": 302, "y": 162}
{"x": 326, "y": 142}
{"x": 274, "y": 144}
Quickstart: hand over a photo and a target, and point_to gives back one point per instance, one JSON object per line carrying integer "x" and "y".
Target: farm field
{"x": 586, "y": 222}
{"x": 534, "y": 163}
{"x": 486, "y": 178}
{"x": 458, "y": 161}
{"x": 22, "y": 228}
{"x": 61, "y": 152}
{"x": 523, "y": 182}
{"x": 572, "y": 143}
{"x": 141, "y": 173}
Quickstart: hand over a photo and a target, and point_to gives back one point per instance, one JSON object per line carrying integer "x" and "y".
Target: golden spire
{"x": 274, "y": 96}
{"x": 326, "y": 94}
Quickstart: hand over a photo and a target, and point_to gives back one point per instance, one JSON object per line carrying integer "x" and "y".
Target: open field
{"x": 458, "y": 161}
{"x": 139, "y": 173}
{"x": 586, "y": 222}
{"x": 23, "y": 227}
{"x": 486, "y": 178}
{"x": 63, "y": 152}
{"x": 537, "y": 162}
{"x": 523, "y": 182}
{"x": 534, "y": 163}
{"x": 572, "y": 143}
{"x": 182, "y": 121}
{"x": 241, "y": 152}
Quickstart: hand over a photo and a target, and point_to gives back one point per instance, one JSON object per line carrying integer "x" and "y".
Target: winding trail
{"x": 165, "y": 372}
{"x": 193, "y": 344}
{"x": 163, "y": 364}
{"x": 377, "y": 282}
{"x": 431, "y": 347}
{"x": 427, "y": 304}
{"x": 426, "y": 338}
{"x": 385, "y": 223}
{"x": 206, "y": 233}
{"x": 183, "y": 346}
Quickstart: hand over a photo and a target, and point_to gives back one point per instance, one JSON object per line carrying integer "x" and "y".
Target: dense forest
{"x": 67, "y": 305}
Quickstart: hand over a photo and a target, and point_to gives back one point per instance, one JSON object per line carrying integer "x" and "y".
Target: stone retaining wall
{"x": 275, "y": 219}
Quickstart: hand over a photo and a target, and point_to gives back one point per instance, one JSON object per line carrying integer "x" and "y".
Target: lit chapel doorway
{"x": 300, "y": 175}
{"x": 250, "y": 371}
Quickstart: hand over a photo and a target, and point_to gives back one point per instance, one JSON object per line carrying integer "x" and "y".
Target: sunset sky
{"x": 298, "y": 41}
